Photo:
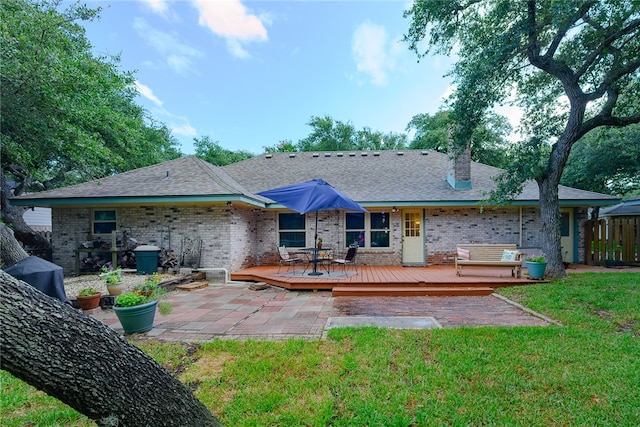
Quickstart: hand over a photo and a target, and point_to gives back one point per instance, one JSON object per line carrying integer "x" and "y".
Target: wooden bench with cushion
{"x": 489, "y": 255}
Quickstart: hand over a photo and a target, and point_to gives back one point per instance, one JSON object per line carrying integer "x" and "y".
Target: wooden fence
{"x": 614, "y": 241}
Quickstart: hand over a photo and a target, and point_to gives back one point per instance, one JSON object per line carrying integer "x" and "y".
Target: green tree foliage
{"x": 285, "y": 146}
{"x": 571, "y": 65}
{"x": 68, "y": 115}
{"x": 431, "y": 132}
{"x": 606, "y": 160}
{"x": 488, "y": 142}
{"x": 333, "y": 135}
{"x": 212, "y": 152}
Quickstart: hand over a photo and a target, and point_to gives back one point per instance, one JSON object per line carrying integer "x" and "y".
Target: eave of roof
{"x": 142, "y": 200}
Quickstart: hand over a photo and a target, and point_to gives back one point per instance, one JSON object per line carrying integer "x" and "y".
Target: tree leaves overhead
{"x": 607, "y": 161}
{"x": 572, "y": 65}
{"x": 542, "y": 51}
{"x": 488, "y": 141}
{"x": 328, "y": 134}
{"x": 68, "y": 115}
{"x": 211, "y": 151}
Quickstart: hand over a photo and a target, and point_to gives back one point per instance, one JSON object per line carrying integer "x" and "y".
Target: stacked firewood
{"x": 168, "y": 260}
{"x": 93, "y": 263}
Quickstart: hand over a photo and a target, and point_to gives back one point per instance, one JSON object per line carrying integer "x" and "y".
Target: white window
{"x": 367, "y": 230}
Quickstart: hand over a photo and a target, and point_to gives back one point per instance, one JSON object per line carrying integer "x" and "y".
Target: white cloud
{"x": 158, "y": 6}
{"x": 180, "y": 64}
{"x": 177, "y": 55}
{"x": 369, "y": 47}
{"x": 179, "y": 125}
{"x": 184, "y": 129}
{"x": 447, "y": 93}
{"x": 236, "y": 49}
{"x": 230, "y": 20}
{"x": 146, "y": 92}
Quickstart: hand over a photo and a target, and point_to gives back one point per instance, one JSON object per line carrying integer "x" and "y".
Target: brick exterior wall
{"x": 446, "y": 227}
{"x": 234, "y": 237}
{"x": 225, "y": 242}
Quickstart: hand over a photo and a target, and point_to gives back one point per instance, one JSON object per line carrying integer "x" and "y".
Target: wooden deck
{"x": 390, "y": 280}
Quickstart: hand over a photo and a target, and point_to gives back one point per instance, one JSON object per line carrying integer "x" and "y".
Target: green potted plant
{"x": 88, "y": 298}
{"x": 536, "y": 266}
{"x": 150, "y": 284}
{"x": 113, "y": 278}
{"x": 136, "y": 311}
{"x": 319, "y": 243}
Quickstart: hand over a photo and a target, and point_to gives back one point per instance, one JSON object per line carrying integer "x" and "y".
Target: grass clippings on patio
{"x": 583, "y": 373}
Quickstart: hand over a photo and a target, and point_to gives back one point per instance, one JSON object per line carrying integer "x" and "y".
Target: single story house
{"x": 420, "y": 205}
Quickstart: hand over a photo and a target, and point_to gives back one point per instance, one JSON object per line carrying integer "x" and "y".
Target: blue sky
{"x": 250, "y": 74}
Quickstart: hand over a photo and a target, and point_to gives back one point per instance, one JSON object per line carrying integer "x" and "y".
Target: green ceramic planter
{"x": 536, "y": 269}
{"x": 137, "y": 319}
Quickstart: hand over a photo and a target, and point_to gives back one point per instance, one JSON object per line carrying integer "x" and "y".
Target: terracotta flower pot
{"x": 90, "y": 302}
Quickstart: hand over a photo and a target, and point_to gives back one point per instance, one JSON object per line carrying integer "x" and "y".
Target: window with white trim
{"x": 367, "y": 230}
{"x": 292, "y": 230}
{"x": 103, "y": 222}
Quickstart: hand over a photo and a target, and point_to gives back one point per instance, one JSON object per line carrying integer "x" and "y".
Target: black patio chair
{"x": 350, "y": 258}
{"x": 290, "y": 260}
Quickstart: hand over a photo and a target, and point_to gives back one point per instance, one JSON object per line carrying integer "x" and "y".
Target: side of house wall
{"x": 166, "y": 227}
{"x": 582, "y": 216}
{"x": 331, "y": 230}
{"x": 70, "y": 227}
{"x": 234, "y": 238}
{"x": 446, "y": 227}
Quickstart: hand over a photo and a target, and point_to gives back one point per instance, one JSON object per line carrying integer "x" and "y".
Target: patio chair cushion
{"x": 284, "y": 253}
{"x": 463, "y": 253}
{"x": 508, "y": 255}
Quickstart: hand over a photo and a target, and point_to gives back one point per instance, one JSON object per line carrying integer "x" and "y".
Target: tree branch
{"x": 612, "y": 76}
{"x": 606, "y": 43}
{"x": 562, "y": 32}
{"x": 601, "y": 120}
{"x": 546, "y": 63}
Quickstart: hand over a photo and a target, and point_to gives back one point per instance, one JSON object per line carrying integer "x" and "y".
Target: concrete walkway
{"x": 234, "y": 311}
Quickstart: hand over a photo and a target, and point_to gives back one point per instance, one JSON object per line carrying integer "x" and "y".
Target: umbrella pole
{"x": 315, "y": 252}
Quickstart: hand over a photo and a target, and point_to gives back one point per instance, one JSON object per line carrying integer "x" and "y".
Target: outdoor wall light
{"x": 394, "y": 209}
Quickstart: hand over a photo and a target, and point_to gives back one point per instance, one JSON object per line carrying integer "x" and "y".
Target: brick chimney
{"x": 459, "y": 176}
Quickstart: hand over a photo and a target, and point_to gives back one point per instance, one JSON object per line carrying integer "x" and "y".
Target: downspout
{"x": 520, "y": 212}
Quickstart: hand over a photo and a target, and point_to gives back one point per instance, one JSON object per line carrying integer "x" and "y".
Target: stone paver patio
{"x": 234, "y": 311}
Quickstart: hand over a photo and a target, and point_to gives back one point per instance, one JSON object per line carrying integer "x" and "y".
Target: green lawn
{"x": 586, "y": 372}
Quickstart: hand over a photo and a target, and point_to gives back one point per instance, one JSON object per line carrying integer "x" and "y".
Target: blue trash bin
{"x": 147, "y": 259}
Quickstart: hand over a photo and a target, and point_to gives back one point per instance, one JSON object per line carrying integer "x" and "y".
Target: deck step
{"x": 410, "y": 291}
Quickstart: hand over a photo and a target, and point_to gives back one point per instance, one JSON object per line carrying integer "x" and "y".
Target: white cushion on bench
{"x": 508, "y": 255}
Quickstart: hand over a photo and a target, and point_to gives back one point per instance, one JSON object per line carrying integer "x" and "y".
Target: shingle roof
{"x": 371, "y": 178}
{"x": 630, "y": 207}
{"x": 382, "y": 177}
{"x": 186, "y": 176}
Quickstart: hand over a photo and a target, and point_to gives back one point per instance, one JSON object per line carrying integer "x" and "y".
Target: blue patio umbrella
{"x": 312, "y": 196}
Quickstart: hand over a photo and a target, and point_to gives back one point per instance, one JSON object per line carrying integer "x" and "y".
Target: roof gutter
{"x": 94, "y": 201}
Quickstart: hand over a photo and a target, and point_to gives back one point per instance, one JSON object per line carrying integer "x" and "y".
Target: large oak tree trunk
{"x": 85, "y": 364}
{"x": 12, "y": 252}
{"x": 13, "y": 215}
{"x": 550, "y": 220}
